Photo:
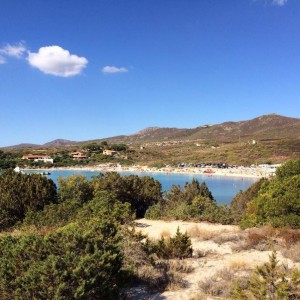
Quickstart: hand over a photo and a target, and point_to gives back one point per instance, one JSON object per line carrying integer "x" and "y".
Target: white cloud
{"x": 112, "y": 69}
{"x": 57, "y": 61}
{"x": 13, "y": 50}
{"x": 279, "y": 2}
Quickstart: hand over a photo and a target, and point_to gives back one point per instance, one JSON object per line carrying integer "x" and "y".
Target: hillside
{"x": 267, "y": 127}
{"x": 268, "y": 138}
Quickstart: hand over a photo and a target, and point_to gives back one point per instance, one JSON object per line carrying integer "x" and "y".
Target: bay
{"x": 223, "y": 188}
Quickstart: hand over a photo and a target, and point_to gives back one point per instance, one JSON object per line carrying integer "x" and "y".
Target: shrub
{"x": 102, "y": 205}
{"x": 270, "y": 281}
{"x": 290, "y": 168}
{"x": 75, "y": 187}
{"x": 193, "y": 202}
{"x": 140, "y": 192}
{"x": 21, "y": 193}
{"x": 75, "y": 262}
{"x": 179, "y": 246}
{"x": 239, "y": 203}
{"x": 54, "y": 215}
{"x": 277, "y": 205}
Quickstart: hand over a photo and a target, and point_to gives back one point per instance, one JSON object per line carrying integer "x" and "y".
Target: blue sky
{"x": 83, "y": 70}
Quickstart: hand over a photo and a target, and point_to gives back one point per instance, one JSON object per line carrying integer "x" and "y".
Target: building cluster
{"x": 77, "y": 155}
{"x": 36, "y": 158}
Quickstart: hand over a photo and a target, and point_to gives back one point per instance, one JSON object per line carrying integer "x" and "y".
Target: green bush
{"x": 270, "y": 281}
{"x": 54, "y": 215}
{"x": 21, "y": 194}
{"x": 102, "y": 205}
{"x": 290, "y": 168}
{"x": 277, "y": 204}
{"x": 179, "y": 246}
{"x": 239, "y": 203}
{"x": 74, "y": 187}
{"x": 140, "y": 192}
{"x": 193, "y": 202}
{"x": 75, "y": 262}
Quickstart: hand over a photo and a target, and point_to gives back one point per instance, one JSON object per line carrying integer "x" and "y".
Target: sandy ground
{"x": 205, "y": 267}
{"x": 247, "y": 172}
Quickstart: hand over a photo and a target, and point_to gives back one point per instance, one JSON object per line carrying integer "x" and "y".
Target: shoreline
{"x": 242, "y": 172}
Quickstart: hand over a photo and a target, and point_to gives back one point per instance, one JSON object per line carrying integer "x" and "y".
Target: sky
{"x": 83, "y": 70}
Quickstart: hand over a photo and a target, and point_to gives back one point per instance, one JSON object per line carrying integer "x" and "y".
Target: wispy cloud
{"x": 15, "y": 51}
{"x": 279, "y": 2}
{"x": 57, "y": 61}
{"x": 112, "y": 69}
{"x": 2, "y": 60}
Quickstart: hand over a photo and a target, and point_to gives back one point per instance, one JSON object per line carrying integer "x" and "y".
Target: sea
{"x": 223, "y": 188}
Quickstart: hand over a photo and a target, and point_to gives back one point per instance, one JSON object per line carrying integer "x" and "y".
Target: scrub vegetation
{"x": 80, "y": 241}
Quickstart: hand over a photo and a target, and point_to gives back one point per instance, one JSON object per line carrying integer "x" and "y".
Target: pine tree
{"x": 269, "y": 282}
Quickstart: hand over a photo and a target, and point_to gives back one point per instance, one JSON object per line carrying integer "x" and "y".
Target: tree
{"x": 140, "y": 192}
{"x": 277, "y": 204}
{"x": 21, "y": 193}
{"x": 290, "y": 168}
{"x": 75, "y": 187}
{"x": 270, "y": 282}
{"x": 93, "y": 147}
{"x": 239, "y": 203}
{"x": 119, "y": 147}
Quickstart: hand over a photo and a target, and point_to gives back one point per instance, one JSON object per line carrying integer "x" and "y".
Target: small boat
{"x": 45, "y": 173}
{"x": 208, "y": 171}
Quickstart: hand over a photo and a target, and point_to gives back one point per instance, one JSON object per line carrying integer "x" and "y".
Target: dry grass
{"x": 229, "y": 237}
{"x": 180, "y": 266}
{"x": 219, "y": 285}
{"x": 165, "y": 233}
{"x": 238, "y": 265}
{"x": 202, "y": 234}
{"x": 261, "y": 239}
{"x": 199, "y": 253}
{"x": 165, "y": 275}
{"x": 293, "y": 252}
{"x": 290, "y": 236}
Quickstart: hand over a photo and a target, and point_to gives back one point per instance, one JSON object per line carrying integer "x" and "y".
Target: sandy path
{"x": 205, "y": 267}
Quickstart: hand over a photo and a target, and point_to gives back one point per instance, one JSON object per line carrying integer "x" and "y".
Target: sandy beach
{"x": 247, "y": 172}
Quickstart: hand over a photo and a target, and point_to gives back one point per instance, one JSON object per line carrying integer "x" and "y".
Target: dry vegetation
{"x": 221, "y": 254}
{"x": 233, "y": 152}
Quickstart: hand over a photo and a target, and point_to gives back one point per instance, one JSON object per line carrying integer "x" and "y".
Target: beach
{"x": 247, "y": 172}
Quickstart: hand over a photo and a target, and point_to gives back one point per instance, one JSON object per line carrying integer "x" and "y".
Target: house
{"x": 110, "y": 152}
{"x": 79, "y": 155}
{"x": 44, "y": 158}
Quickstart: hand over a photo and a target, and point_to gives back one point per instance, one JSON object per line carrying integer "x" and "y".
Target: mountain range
{"x": 266, "y": 127}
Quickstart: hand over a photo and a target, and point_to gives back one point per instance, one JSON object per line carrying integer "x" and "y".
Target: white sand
{"x": 246, "y": 172}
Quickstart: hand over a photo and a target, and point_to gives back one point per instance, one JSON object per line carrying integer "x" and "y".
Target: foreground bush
{"x": 270, "y": 281}
{"x": 22, "y": 193}
{"x": 75, "y": 262}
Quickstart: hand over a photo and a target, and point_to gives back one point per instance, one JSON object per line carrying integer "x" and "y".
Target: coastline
{"x": 246, "y": 172}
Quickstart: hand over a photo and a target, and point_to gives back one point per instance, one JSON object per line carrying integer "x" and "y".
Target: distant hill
{"x": 270, "y": 127}
{"x": 23, "y": 145}
{"x": 266, "y": 127}
{"x": 59, "y": 143}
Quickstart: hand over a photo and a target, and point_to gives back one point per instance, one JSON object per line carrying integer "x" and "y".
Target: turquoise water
{"x": 223, "y": 188}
